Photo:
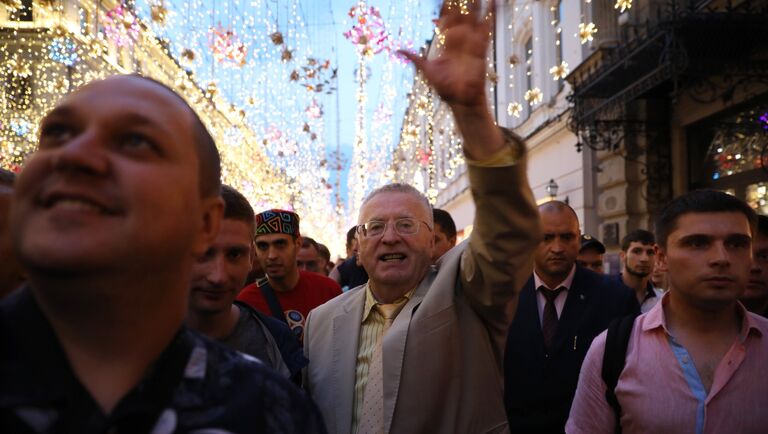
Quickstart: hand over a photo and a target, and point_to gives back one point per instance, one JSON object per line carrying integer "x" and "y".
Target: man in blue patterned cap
{"x": 286, "y": 292}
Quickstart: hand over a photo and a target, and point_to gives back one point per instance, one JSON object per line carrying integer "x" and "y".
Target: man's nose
{"x": 82, "y": 154}
{"x": 217, "y": 271}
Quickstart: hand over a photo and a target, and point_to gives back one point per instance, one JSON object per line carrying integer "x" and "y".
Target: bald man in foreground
{"x": 109, "y": 216}
{"x": 562, "y": 308}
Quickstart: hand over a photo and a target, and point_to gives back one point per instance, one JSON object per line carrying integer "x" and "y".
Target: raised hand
{"x": 458, "y": 74}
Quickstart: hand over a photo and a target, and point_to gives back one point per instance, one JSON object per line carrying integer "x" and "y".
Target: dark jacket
{"x": 287, "y": 343}
{"x": 539, "y": 387}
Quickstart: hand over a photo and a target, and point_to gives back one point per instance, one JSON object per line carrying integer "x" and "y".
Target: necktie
{"x": 549, "y": 320}
{"x": 372, "y": 414}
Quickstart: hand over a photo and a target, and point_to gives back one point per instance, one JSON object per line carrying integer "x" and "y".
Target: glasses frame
{"x": 360, "y": 229}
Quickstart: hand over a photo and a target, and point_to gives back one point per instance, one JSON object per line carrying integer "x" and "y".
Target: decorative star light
{"x": 587, "y": 32}
{"x": 764, "y": 120}
{"x": 623, "y": 5}
{"x": 226, "y": 47}
{"x": 63, "y": 50}
{"x": 188, "y": 57}
{"x": 368, "y": 33}
{"x": 534, "y": 96}
{"x": 121, "y": 27}
{"x": 559, "y": 71}
{"x": 514, "y": 109}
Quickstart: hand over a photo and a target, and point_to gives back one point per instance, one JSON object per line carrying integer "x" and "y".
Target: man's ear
{"x": 298, "y": 241}
{"x": 623, "y": 256}
{"x": 212, "y": 211}
{"x": 661, "y": 258}
{"x": 452, "y": 240}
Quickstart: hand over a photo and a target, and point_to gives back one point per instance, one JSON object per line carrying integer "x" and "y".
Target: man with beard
{"x": 637, "y": 255}
{"x": 562, "y": 308}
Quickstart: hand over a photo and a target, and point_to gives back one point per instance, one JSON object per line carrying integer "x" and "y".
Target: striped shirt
{"x": 371, "y": 331}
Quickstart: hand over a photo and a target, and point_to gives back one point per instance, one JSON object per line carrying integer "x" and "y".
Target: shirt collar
{"x": 538, "y": 283}
{"x": 370, "y": 301}
{"x": 655, "y": 318}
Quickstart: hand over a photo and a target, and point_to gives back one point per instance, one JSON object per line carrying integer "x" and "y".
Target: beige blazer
{"x": 443, "y": 353}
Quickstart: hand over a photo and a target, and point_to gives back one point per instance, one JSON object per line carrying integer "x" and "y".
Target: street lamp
{"x": 551, "y": 189}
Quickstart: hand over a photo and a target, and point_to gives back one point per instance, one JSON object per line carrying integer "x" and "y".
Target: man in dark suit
{"x": 562, "y": 308}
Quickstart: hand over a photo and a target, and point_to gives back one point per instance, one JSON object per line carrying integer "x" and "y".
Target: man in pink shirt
{"x": 695, "y": 363}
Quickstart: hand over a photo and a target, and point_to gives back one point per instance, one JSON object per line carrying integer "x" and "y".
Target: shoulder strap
{"x": 271, "y": 298}
{"x": 614, "y": 358}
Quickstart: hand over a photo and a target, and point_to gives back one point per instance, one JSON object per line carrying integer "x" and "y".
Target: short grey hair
{"x": 401, "y": 187}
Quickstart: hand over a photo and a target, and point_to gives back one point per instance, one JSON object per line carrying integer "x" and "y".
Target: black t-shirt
{"x": 196, "y": 384}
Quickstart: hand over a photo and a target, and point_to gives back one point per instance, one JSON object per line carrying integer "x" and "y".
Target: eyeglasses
{"x": 403, "y": 226}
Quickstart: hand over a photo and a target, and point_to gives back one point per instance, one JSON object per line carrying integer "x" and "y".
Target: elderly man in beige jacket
{"x": 418, "y": 349}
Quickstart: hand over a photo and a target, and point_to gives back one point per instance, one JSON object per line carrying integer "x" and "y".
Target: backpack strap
{"x": 614, "y": 358}
{"x": 271, "y": 298}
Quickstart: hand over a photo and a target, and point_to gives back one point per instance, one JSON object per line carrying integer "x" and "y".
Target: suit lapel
{"x": 394, "y": 349}
{"x": 346, "y": 332}
{"x": 573, "y": 312}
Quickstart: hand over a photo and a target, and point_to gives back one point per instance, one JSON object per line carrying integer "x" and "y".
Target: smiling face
{"x": 707, "y": 258}
{"x": 220, "y": 273}
{"x": 114, "y": 186}
{"x": 395, "y": 261}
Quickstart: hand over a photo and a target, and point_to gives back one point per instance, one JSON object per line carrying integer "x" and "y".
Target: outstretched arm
{"x": 500, "y": 254}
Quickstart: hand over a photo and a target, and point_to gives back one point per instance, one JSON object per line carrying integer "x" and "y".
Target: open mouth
{"x": 73, "y": 203}
{"x": 392, "y": 257}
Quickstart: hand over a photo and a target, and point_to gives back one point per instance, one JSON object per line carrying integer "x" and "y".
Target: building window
{"x": 730, "y": 153}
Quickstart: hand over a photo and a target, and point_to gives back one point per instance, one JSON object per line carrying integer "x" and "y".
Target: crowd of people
{"x": 140, "y": 295}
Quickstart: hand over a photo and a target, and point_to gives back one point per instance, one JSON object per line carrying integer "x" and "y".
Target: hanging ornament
{"x": 559, "y": 71}
{"x": 226, "y": 47}
{"x": 368, "y": 33}
{"x": 188, "y": 57}
{"x": 623, "y": 5}
{"x": 63, "y": 50}
{"x": 493, "y": 77}
{"x": 121, "y": 27}
{"x": 286, "y": 55}
{"x": 587, "y": 32}
{"x": 533, "y": 96}
{"x": 513, "y": 60}
{"x": 277, "y": 38}
{"x": 314, "y": 111}
{"x": 316, "y": 76}
{"x": 158, "y": 12}
{"x": 423, "y": 156}
{"x": 514, "y": 109}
